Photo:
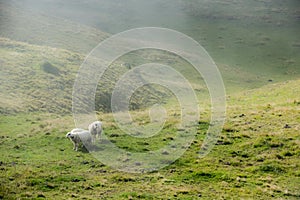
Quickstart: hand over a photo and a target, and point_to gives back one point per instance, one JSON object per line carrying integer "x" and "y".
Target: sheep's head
{"x": 69, "y": 135}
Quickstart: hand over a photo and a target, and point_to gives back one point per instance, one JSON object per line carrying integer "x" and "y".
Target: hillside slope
{"x": 40, "y": 78}
{"x": 256, "y": 156}
{"x": 261, "y": 37}
{"x": 251, "y": 49}
{"x": 35, "y": 78}
{"x": 36, "y": 28}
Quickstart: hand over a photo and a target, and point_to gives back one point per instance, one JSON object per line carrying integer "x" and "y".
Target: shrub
{"x": 49, "y": 68}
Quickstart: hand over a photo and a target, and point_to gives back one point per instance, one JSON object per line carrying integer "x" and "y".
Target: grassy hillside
{"x": 260, "y": 37}
{"x": 35, "y": 78}
{"x": 40, "y": 78}
{"x": 256, "y": 156}
{"x": 252, "y": 42}
{"x": 37, "y": 28}
{"x": 255, "y": 44}
{"x": 29, "y": 85}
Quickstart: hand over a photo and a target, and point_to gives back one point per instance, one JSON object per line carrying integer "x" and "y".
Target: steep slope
{"x": 35, "y": 78}
{"x": 40, "y": 79}
{"x": 260, "y": 37}
{"x": 35, "y": 28}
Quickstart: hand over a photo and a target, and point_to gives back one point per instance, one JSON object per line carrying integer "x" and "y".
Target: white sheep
{"x": 95, "y": 129}
{"x": 79, "y": 137}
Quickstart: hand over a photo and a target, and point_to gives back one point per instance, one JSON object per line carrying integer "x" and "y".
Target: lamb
{"x": 95, "y": 129}
{"x": 79, "y": 137}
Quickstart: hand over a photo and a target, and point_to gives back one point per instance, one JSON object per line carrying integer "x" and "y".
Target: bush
{"x": 49, "y": 68}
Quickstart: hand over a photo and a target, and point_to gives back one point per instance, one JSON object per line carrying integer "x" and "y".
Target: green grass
{"x": 28, "y": 83}
{"x": 257, "y": 37}
{"x": 34, "y": 81}
{"x": 256, "y": 156}
{"x": 251, "y": 42}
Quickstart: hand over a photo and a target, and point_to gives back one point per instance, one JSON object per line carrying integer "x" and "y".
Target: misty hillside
{"x": 255, "y": 44}
{"x": 35, "y": 78}
{"x": 40, "y": 79}
{"x": 261, "y": 37}
{"x": 53, "y": 31}
{"x": 23, "y": 25}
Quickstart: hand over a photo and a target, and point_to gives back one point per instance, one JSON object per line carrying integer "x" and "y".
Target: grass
{"x": 44, "y": 80}
{"x": 28, "y": 83}
{"x": 248, "y": 59}
{"x": 256, "y": 156}
{"x": 257, "y": 37}
{"x": 40, "y": 29}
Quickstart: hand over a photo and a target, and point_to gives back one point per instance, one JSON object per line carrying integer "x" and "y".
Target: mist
{"x": 261, "y": 37}
{"x": 114, "y": 16}
{"x": 217, "y": 119}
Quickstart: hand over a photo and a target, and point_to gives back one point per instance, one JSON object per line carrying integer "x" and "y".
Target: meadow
{"x": 256, "y": 156}
{"x": 255, "y": 45}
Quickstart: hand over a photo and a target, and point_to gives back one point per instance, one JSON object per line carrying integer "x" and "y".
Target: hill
{"x": 256, "y": 47}
{"x": 256, "y": 156}
{"x": 35, "y": 78}
{"x": 40, "y": 78}
{"x": 257, "y": 37}
{"x": 247, "y": 59}
{"x": 19, "y": 24}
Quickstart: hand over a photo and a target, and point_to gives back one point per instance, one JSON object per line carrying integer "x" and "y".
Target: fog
{"x": 260, "y": 36}
{"x": 118, "y": 15}
{"x": 112, "y": 16}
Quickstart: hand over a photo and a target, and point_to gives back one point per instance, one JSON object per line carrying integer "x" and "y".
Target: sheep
{"x": 79, "y": 137}
{"x": 95, "y": 129}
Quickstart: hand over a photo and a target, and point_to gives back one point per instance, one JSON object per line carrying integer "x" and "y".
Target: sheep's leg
{"x": 99, "y": 136}
{"x": 93, "y": 139}
{"x": 76, "y": 147}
